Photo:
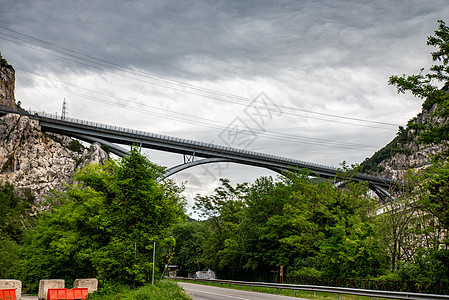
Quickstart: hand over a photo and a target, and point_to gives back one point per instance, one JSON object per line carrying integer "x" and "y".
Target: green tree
{"x": 223, "y": 211}
{"x": 424, "y": 85}
{"x": 306, "y": 225}
{"x": 104, "y": 226}
{"x": 427, "y": 209}
{"x": 260, "y": 244}
{"x": 17, "y": 217}
{"x": 330, "y": 229}
{"x": 433, "y": 191}
{"x": 189, "y": 251}
{"x": 17, "y": 214}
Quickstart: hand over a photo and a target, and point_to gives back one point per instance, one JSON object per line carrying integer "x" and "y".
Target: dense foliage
{"x": 16, "y": 218}
{"x": 302, "y": 225}
{"x": 104, "y": 226}
{"x": 312, "y": 229}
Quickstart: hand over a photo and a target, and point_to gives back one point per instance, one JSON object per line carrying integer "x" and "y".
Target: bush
{"x": 75, "y": 146}
{"x": 162, "y": 290}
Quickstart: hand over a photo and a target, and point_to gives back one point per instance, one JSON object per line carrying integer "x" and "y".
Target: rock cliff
{"x": 407, "y": 150}
{"x": 7, "y": 83}
{"x": 31, "y": 159}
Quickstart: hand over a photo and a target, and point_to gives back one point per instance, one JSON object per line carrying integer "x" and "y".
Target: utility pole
{"x": 64, "y": 110}
{"x": 154, "y": 260}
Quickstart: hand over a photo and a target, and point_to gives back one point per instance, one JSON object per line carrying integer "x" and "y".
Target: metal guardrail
{"x": 327, "y": 289}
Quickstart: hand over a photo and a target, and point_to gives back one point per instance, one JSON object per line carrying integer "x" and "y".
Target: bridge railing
{"x": 178, "y": 140}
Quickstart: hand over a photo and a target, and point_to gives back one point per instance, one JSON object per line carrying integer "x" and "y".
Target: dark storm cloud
{"x": 219, "y": 39}
{"x": 330, "y": 56}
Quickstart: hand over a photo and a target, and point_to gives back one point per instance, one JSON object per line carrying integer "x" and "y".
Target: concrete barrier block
{"x": 90, "y": 283}
{"x": 12, "y": 284}
{"x": 45, "y": 284}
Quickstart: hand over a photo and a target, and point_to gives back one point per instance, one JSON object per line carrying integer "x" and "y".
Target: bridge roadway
{"x": 112, "y": 135}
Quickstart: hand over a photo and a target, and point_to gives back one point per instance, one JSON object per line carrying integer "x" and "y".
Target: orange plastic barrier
{"x": 79, "y": 293}
{"x": 8, "y": 294}
{"x": 56, "y": 294}
{"x": 67, "y": 294}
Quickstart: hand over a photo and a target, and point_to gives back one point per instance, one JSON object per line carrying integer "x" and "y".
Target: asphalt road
{"x": 205, "y": 292}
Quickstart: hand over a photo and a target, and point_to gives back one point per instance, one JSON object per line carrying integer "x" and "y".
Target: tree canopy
{"x": 104, "y": 226}
{"x": 303, "y": 225}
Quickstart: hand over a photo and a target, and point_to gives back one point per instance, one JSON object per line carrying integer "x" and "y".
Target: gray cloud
{"x": 227, "y": 38}
{"x": 331, "y": 56}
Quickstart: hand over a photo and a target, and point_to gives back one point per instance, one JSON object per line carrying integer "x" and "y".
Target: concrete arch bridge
{"x": 191, "y": 150}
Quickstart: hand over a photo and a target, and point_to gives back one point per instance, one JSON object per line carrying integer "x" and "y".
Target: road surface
{"x": 205, "y": 292}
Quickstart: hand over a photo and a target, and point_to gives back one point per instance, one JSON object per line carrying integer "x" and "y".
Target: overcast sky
{"x": 301, "y": 79}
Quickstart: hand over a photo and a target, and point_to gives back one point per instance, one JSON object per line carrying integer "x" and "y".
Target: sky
{"x": 306, "y": 80}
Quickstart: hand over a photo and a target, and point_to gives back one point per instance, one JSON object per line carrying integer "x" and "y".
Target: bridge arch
{"x": 383, "y": 195}
{"x": 181, "y": 167}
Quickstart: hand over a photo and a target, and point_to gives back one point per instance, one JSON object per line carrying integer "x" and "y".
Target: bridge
{"x": 210, "y": 153}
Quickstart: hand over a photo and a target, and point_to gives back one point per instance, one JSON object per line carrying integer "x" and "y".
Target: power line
{"x": 210, "y": 123}
{"x": 198, "y": 91}
{"x": 69, "y": 84}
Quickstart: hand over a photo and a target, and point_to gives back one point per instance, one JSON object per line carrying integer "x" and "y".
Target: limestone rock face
{"x": 418, "y": 155}
{"x": 31, "y": 159}
{"x": 7, "y": 83}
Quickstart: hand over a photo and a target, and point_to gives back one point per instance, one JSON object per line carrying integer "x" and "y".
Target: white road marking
{"x": 216, "y": 294}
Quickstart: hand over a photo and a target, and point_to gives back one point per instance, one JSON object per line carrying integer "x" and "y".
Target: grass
{"x": 286, "y": 292}
{"x": 162, "y": 290}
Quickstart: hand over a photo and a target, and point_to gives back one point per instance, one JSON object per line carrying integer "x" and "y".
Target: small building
{"x": 205, "y": 274}
{"x": 172, "y": 271}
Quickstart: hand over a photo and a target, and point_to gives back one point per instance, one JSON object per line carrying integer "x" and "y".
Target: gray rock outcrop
{"x": 7, "y": 83}
{"x": 420, "y": 157}
{"x": 411, "y": 154}
{"x": 31, "y": 159}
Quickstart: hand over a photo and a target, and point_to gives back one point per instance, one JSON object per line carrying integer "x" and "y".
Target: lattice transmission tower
{"x": 65, "y": 110}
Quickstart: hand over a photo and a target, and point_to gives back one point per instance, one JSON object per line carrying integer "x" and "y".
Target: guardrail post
{"x": 294, "y": 292}
{"x": 339, "y": 296}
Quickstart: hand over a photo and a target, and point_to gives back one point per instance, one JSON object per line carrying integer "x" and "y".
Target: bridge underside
{"x": 383, "y": 195}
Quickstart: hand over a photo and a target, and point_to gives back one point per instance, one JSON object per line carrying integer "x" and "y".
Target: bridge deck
{"x": 125, "y": 136}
